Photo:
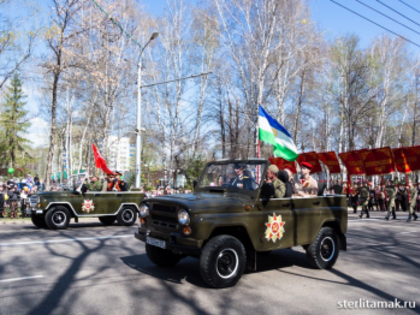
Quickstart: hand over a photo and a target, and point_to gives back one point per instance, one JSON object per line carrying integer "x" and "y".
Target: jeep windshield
{"x": 239, "y": 175}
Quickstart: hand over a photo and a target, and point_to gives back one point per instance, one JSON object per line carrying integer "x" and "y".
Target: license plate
{"x": 155, "y": 242}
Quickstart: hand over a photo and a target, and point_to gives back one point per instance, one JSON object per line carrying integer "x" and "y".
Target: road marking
{"x": 24, "y": 278}
{"x": 409, "y": 232}
{"x": 67, "y": 240}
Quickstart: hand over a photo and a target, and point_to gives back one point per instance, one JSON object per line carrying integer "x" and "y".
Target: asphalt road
{"x": 92, "y": 269}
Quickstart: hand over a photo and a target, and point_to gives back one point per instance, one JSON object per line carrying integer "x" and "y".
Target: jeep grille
{"x": 164, "y": 216}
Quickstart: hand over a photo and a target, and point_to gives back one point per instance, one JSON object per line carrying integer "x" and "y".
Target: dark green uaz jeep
{"x": 54, "y": 209}
{"x": 230, "y": 217}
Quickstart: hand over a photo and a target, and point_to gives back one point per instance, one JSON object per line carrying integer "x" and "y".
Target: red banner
{"x": 282, "y": 163}
{"x": 311, "y": 158}
{"x": 100, "y": 161}
{"x": 412, "y": 157}
{"x": 353, "y": 162}
{"x": 378, "y": 161}
{"x": 400, "y": 161}
{"x": 331, "y": 161}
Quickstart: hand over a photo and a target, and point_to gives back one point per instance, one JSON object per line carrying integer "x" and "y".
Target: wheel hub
{"x": 327, "y": 249}
{"x": 227, "y": 263}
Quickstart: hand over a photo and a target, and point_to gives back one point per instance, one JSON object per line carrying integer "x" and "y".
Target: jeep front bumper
{"x": 171, "y": 243}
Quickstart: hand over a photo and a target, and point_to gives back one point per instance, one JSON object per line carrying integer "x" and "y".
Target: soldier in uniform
{"x": 95, "y": 184}
{"x": 308, "y": 185}
{"x": 241, "y": 180}
{"x": 413, "y": 199}
{"x": 271, "y": 178}
{"x": 354, "y": 197}
{"x": 120, "y": 185}
{"x": 391, "y": 193}
{"x": 364, "y": 195}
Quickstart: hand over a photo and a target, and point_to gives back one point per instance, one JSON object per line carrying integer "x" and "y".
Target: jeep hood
{"x": 204, "y": 201}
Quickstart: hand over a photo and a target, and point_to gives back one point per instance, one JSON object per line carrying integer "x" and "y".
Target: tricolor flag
{"x": 271, "y": 132}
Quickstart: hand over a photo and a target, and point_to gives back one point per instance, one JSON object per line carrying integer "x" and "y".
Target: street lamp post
{"x": 138, "y": 138}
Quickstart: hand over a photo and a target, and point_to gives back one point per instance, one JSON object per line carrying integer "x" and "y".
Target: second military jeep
{"x": 55, "y": 209}
{"x": 225, "y": 225}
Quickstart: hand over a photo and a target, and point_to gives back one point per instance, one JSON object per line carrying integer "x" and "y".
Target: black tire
{"x": 323, "y": 252}
{"x": 162, "y": 257}
{"x": 57, "y": 218}
{"x": 127, "y": 216}
{"x": 38, "y": 221}
{"x": 108, "y": 220}
{"x": 222, "y": 261}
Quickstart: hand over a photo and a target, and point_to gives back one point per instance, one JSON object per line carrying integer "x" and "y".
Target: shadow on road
{"x": 188, "y": 268}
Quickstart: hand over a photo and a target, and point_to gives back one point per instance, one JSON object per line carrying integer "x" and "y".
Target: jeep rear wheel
{"x": 127, "y": 216}
{"x": 162, "y": 257}
{"x": 38, "y": 221}
{"x": 109, "y": 220}
{"x": 323, "y": 252}
{"x": 57, "y": 218}
{"x": 222, "y": 261}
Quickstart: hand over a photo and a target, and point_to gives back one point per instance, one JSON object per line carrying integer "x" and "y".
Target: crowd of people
{"x": 390, "y": 197}
{"x": 15, "y": 194}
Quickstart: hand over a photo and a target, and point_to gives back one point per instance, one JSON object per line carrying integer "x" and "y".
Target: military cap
{"x": 118, "y": 172}
{"x": 307, "y": 165}
{"x": 237, "y": 166}
{"x": 273, "y": 168}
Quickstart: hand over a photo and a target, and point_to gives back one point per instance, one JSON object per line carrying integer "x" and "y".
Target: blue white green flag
{"x": 271, "y": 132}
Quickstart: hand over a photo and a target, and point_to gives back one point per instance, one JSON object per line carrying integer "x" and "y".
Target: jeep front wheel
{"x": 222, "y": 261}
{"x": 127, "y": 217}
{"x": 108, "y": 220}
{"x": 323, "y": 252}
{"x": 57, "y": 218}
{"x": 38, "y": 221}
{"x": 162, "y": 257}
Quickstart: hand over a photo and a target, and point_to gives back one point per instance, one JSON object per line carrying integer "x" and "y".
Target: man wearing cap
{"x": 413, "y": 199}
{"x": 271, "y": 178}
{"x": 95, "y": 184}
{"x": 241, "y": 180}
{"x": 120, "y": 185}
{"x": 110, "y": 180}
{"x": 364, "y": 195}
{"x": 308, "y": 185}
{"x": 391, "y": 193}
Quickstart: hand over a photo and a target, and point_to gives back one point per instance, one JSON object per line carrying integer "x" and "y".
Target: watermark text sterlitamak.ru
{"x": 365, "y": 304}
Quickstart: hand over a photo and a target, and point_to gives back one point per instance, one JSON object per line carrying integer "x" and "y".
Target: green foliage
{"x": 194, "y": 170}
{"x": 13, "y": 125}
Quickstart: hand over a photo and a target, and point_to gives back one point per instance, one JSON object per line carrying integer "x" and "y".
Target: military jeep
{"x": 55, "y": 209}
{"x": 225, "y": 225}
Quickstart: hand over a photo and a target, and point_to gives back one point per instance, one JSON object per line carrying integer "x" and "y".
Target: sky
{"x": 332, "y": 19}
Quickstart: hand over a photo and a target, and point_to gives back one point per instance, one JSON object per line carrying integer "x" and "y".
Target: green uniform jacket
{"x": 413, "y": 196}
{"x": 364, "y": 194}
{"x": 391, "y": 193}
{"x": 97, "y": 186}
{"x": 279, "y": 188}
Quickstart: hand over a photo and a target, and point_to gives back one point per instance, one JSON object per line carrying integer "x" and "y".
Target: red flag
{"x": 100, "y": 161}
{"x": 311, "y": 158}
{"x": 378, "y": 161}
{"x": 412, "y": 156}
{"x": 331, "y": 161}
{"x": 401, "y": 161}
{"x": 282, "y": 163}
{"x": 353, "y": 162}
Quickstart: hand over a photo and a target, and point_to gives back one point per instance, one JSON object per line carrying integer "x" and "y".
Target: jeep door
{"x": 275, "y": 223}
{"x": 306, "y": 213}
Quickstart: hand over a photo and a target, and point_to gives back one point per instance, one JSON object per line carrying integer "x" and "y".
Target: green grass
{"x": 7, "y": 215}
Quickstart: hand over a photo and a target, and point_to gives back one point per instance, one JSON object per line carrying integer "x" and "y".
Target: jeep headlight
{"x": 183, "y": 217}
{"x": 144, "y": 210}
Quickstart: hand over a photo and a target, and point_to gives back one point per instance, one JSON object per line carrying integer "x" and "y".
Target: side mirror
{"x": 195, "y": 182}
{"x": 267, "y": 190}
